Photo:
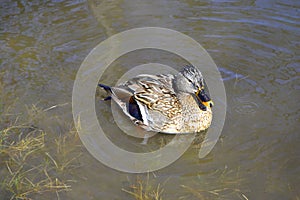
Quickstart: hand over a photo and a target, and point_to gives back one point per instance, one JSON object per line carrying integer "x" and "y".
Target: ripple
{"x": 245, "y": 107}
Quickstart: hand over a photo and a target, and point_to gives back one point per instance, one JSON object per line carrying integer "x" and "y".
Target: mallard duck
{"x": 165, "y": 103}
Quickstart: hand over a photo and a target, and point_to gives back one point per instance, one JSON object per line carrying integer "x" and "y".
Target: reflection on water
{"x": 255, "y": 45}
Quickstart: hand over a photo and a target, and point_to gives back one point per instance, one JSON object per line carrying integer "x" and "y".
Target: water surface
{"x": 255, "y": 44}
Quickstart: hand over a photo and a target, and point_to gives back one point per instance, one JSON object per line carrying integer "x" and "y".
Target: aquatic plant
{"x": 145, "y": 190}
{"x": 31, "y": 163}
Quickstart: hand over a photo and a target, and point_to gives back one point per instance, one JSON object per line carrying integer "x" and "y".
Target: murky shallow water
{"x": 255, "y": 46}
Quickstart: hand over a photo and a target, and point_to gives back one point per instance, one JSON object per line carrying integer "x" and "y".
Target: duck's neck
{"x": 179, "y": 83}
{"x": 192, "y": 115}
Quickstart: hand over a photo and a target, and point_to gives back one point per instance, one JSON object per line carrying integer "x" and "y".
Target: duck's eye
{"x": 190, "y": 81}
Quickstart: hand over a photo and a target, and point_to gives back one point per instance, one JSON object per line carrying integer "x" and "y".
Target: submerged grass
{"x": 226, "y": 185}
{"x": 32, "y": 163}
{"x": 145, "y": 190}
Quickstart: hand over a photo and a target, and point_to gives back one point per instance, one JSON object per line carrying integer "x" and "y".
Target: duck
{"x": 165, "y": 103}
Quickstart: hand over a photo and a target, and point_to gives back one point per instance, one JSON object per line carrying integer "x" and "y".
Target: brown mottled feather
{"x": 157, "y": 94}
{"x": 160, "y": 108}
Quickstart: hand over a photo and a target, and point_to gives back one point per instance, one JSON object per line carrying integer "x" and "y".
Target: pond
{"x": 255, "y": 45}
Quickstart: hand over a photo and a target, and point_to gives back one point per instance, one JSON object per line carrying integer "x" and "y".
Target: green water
{"x": 255, "y": 44}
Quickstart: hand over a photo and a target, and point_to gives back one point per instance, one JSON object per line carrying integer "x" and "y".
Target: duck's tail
{"x": 107, "y": 89}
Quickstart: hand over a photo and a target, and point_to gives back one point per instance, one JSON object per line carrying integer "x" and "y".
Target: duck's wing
{"x": 124, "y": 98}
{"x": 155, "y": 93}
{"x": 149, "y": 100}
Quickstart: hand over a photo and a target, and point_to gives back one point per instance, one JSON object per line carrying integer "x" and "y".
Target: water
{"x": 255, "y": 44}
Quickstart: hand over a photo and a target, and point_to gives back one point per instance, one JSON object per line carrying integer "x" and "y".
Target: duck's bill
{"x": 204, "y": 99}
{"x": 208, "y": 103}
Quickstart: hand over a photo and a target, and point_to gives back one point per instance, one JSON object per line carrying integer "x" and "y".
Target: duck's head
{"x": 190, "y": 80}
